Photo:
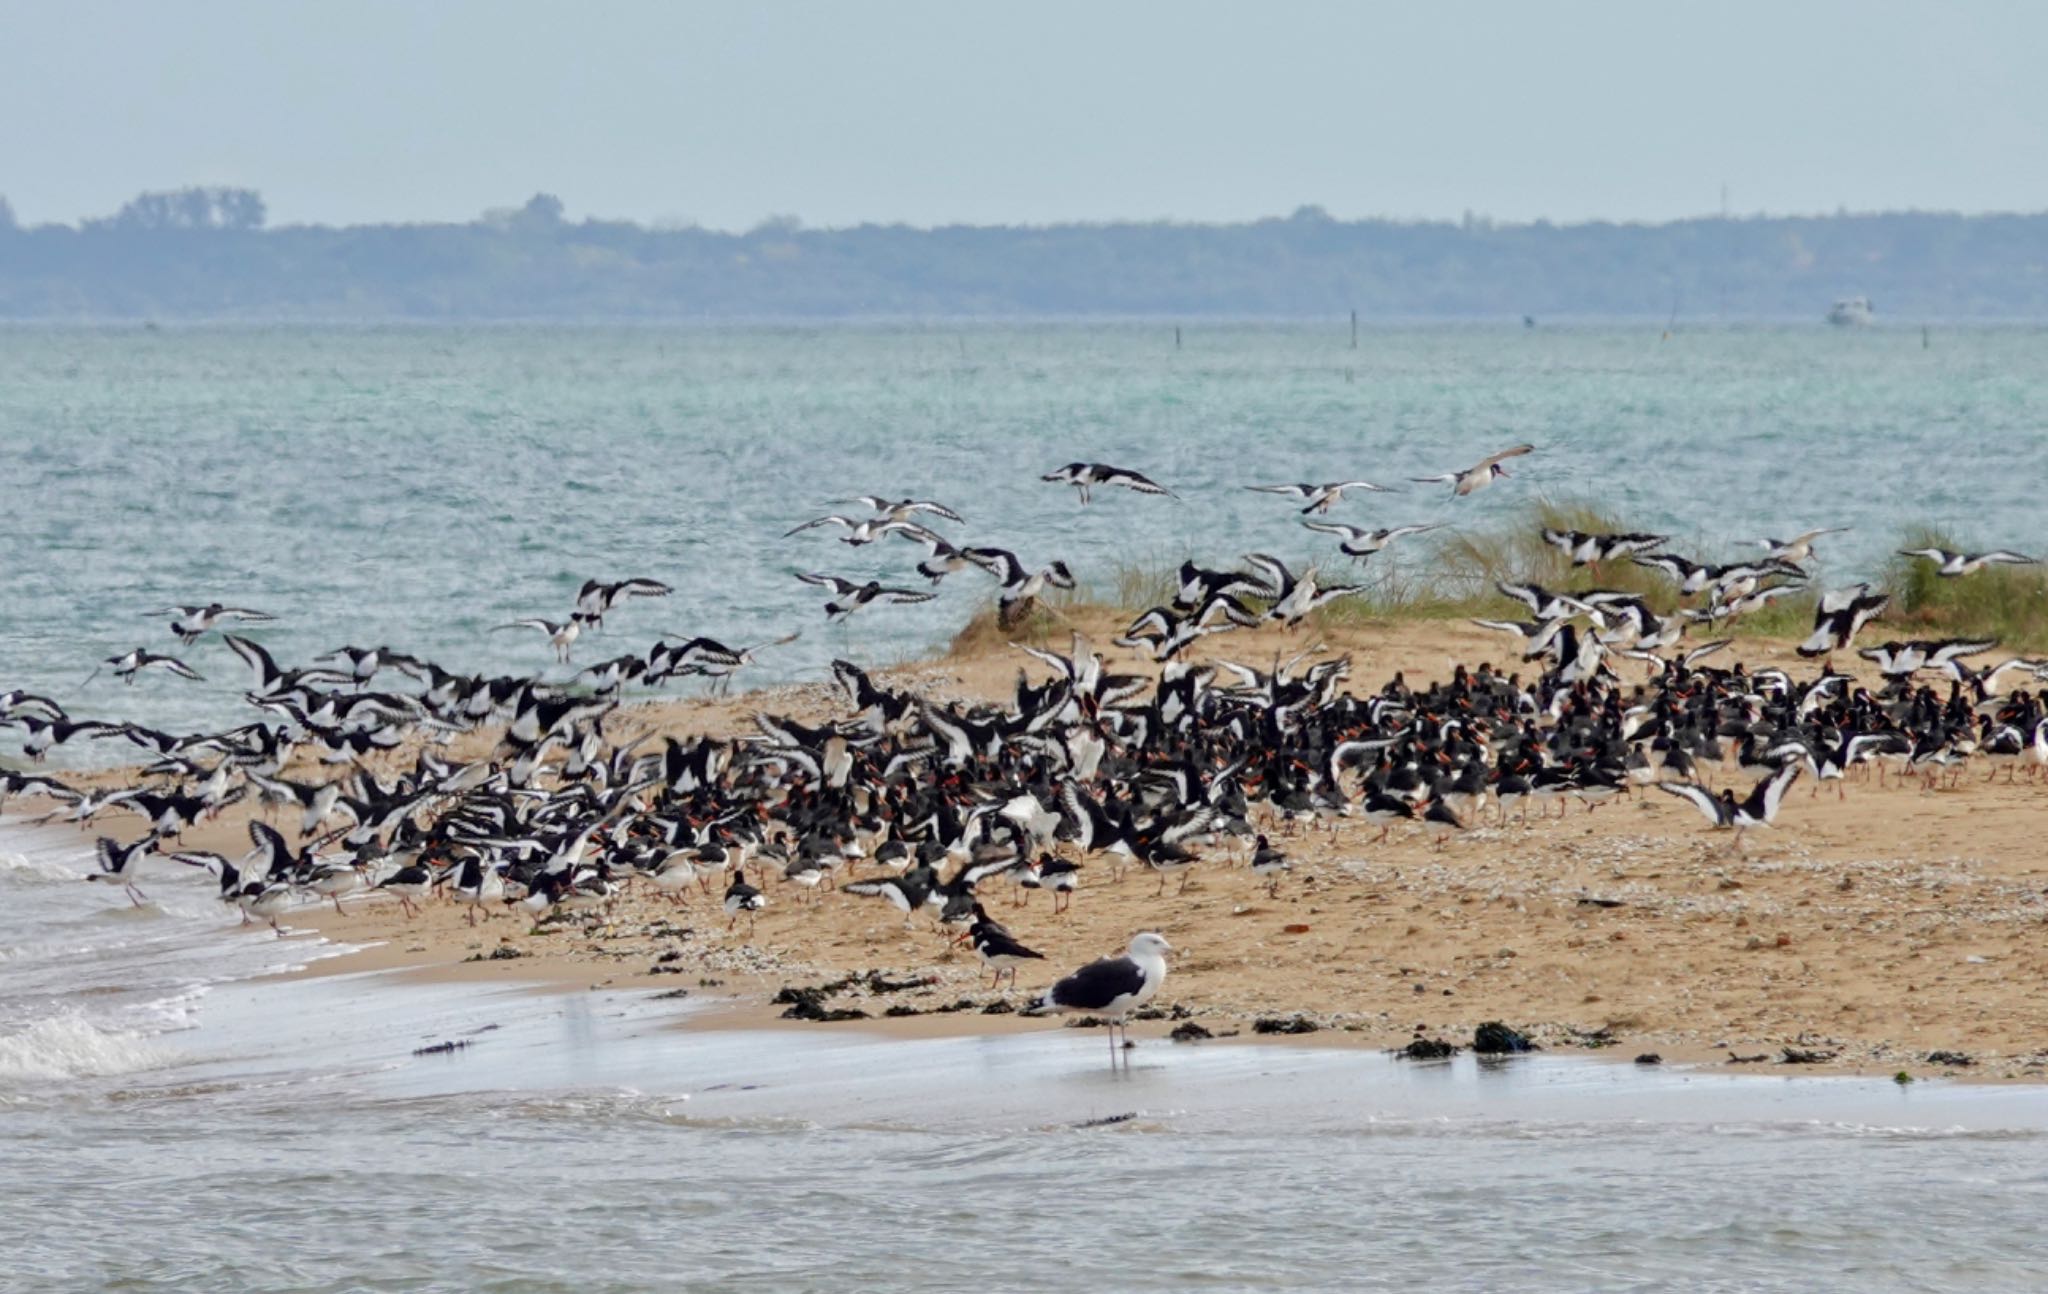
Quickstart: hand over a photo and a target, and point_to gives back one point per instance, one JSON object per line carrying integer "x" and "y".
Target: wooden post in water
{"x": 1354, "y": 330}
{"x": 1923, "y": 337}
{"x": 1176, "y": 336}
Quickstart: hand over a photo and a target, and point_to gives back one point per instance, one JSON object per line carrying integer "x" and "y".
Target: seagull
{"x": 1320, "y": 497}
{"x": 1949, "y": 565}
{"x": 1840, "y": 615}
{"x": 852, "y": 597}
{"x": 1111, "y": 988}
{"x": 190, "y": 622}
{"x": 1478, "y": 476}
{"x": 1085, "y": 476}
{"x": 1799, "y": 547}
{"x": 1758, "y": 809}
{"x": 560, "y": 635}
{"x": 1359, "y": 544}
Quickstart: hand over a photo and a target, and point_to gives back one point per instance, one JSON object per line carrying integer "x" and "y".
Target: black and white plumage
{"x": 742, "y": 899}
{"x": 1840, "y": 616}
{"x": 1542, "y": 603}
{"x": 1019, "y": 585}
{"x": 1112, "y": 988}
{"x": 1536, "y": 635}
{"x": 190, "y": 622}
{"x": 271, "y": 680}
{"x": 907, "y": 893}
{"x": 44, "y": 735}
{"x": 1798, "y": 548}
{"x": 849, "y": 597}
{"x": 706, "y": 658}
{"x": 998, "y": 949}
{"x": 1950, "y": 565}
{"x": 1596, "y": 548}
{"x": 1904, "y": 659}
{"x": 1296, "y": 595}
{"x": 866, "y": 530}
{"x": 15, "y": 702}
{"x": 943, "y": 559}
{"x": 1059, "y": 875}
{"x": 118, "y": 863}
{"x": 561, "y": 634}
{"x": 127, "y": 665}
{"x": 596, "y": 598}
{"x": 1478, "y": 476}
{"x": 1758, "y": 809}
{"x": 1358, "y": 543}
{"x": 905, "y": 509}
{"x": 1319, "y": 497}
{"x": 409, "y": 884}
{"x": 1270, "y": 863}
{"x": 1084, "y": 477}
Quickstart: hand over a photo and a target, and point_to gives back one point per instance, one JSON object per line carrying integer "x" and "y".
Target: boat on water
{"x": 1850, "y": 311}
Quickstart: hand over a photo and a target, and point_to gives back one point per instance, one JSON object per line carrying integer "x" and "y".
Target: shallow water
{"x": 417, "y": 486}
{"x": 171, "y": 1122}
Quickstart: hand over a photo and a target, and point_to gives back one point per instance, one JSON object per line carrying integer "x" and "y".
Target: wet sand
{"x": 1866, "y": 932}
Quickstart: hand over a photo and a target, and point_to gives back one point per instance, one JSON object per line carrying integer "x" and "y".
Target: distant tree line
{"x": 209, "y": 254}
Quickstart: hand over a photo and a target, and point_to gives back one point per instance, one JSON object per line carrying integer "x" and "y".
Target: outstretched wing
{"x": 833, "y": 520}
{"x": 1503, "y": 456}
{"x": 1698, "y": 796}
{"x": 838, "y": 586}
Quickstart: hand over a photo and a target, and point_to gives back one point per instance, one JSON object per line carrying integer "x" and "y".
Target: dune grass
{"x": 2009, "y": 603}
{"x": 1452, "y": 575}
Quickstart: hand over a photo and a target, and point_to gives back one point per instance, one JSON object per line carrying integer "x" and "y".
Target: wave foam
{"x": 71, "y": 1046}
{"x": 22, "y": 867}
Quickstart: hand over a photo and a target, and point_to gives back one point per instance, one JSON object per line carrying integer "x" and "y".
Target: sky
{"x": 1033, "y": 111}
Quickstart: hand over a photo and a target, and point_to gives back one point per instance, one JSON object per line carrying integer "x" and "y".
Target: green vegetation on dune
{"x": 2009, "y": 603}
{"x": 1456, "y": 577}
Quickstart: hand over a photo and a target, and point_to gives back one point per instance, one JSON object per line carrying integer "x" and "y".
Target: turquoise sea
{"x": 415, "y": 486}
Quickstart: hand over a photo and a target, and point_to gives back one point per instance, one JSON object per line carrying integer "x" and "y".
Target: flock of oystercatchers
{"x": 931, "y": 806}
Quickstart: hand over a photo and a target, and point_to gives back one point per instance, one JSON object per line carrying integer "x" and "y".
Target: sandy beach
{"x": 1864, "y": 935}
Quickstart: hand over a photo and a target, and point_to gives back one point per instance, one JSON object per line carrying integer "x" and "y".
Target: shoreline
{"x": 1881, "y": 928}
{"x": 1873, "y": 930}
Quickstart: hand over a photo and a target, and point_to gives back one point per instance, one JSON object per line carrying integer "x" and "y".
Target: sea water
{"x": 415, "y": 487}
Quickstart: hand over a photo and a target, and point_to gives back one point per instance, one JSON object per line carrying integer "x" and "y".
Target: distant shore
{"x": 1863, "y": 935}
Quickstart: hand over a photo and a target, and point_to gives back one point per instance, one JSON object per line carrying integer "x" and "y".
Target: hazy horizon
{"x": 722, "y": 115}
